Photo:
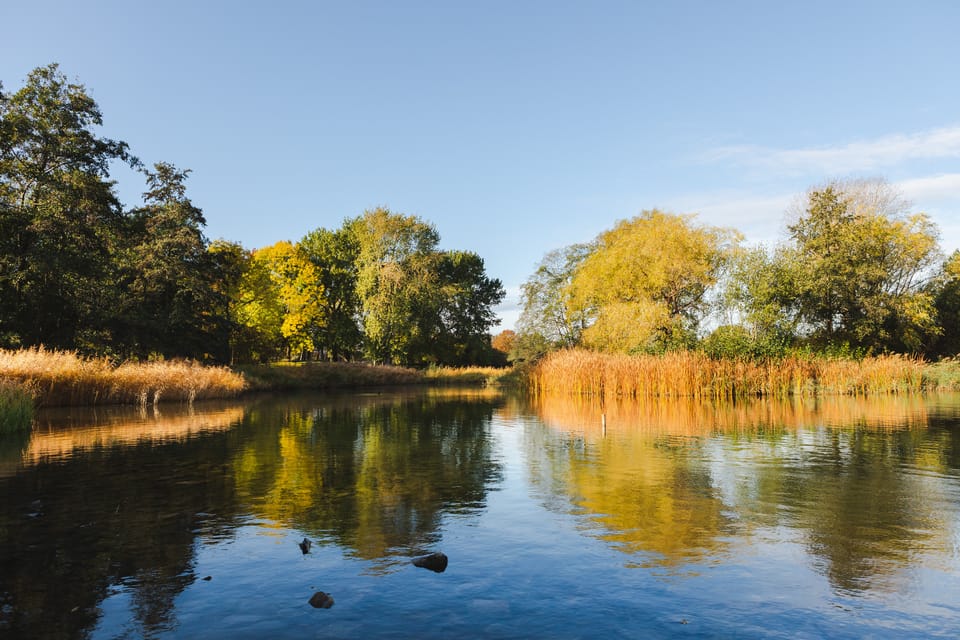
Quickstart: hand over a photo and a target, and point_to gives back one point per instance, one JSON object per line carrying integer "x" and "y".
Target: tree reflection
{"x": 846, "y": 476}
{"x": 374, "y": 475}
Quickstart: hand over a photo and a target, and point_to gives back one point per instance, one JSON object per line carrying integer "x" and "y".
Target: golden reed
{"x": 66, "y": 378}
{"x": 687, "y": 374}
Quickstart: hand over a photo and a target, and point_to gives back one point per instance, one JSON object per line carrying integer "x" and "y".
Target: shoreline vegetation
{"x": 38, "y": 377}
{"x": 690, "y": 374}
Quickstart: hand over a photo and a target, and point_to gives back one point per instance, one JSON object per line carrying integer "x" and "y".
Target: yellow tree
{"x": 281, "y": 296}
{"x": 644, "y": 285}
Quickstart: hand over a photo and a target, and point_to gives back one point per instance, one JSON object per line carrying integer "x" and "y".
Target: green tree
{"x": 947, "y": 304}
{"x": 863, "y": 261}
{"x": 547, "y": 319}
{"x": 397, "y": 283}
{"x": 759, "y": 293}
{"x": 169, "y": 303}
{"x": 335, "y": 255}
{"x": 59, "y": 215}
{"x": 466, "y": 300}
{"x": 643, "y": 287}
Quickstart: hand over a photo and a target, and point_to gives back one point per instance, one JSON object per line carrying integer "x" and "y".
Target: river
{"x": 560, "y": 518}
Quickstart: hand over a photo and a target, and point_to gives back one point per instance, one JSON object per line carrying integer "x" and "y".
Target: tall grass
{"x": 943, "y": 375}
{"x": 16, "y": 406}
{"x": 694, "y": 375}
{"x": 66, "y": 378}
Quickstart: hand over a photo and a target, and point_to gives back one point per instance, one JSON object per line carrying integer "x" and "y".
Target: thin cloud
{"x": 863, "y": 155}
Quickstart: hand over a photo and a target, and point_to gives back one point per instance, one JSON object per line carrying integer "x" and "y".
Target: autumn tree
{"x": 862, "y": 262}
{"x": 644, "y": 285}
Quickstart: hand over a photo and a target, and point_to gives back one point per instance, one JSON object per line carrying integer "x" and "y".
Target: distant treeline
{"x": 78, "y": 271}
{"x": 858, "y": 274}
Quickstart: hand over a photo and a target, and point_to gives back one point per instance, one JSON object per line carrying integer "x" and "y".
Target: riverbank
{"x": 61, "y": 378}
{"x": 44, "y": 377}
{"x": 694, "y": 375}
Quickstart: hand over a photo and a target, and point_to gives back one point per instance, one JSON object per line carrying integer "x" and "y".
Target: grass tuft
{"x": 16, "y": 407}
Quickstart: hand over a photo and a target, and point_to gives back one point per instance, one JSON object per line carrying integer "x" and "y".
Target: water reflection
{"x": 101, "y": 503}
{"x": 107, "y": 518}
{"x": 373, "y": 473}
{"x": 857, "y": 483}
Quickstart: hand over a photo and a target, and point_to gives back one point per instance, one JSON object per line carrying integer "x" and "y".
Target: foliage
{"x": 59, "y": 216}
{"x": 946, "y": 292}
{"x": 169, "y": 303}
{"x": 335, "y": 254}
{"x": 396, "y": 276}
{"x": 643, "y": 287}
{"x": 861, "y": 260}
{"x": 547, "y": 320}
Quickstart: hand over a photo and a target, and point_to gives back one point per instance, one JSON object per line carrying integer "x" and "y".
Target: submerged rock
{"x": 436, "y": 562}
{"x": 305, "y": 546}
{"x": 321, "y": 600}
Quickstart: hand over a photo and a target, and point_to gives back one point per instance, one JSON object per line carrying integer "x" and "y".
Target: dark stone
{"x": 436, "y": 562}
{"x": 208, "y": 578}
{"x": 321, "y": 600}
{"x": 305, "y": 546}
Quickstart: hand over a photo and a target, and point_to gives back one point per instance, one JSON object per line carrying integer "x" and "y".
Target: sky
{"x": 514, "y": 127}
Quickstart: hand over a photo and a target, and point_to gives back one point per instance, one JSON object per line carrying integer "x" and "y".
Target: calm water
{"x": 837, "y": 518}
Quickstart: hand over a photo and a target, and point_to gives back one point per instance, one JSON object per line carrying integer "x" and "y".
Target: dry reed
{"x": 66, "y": 378}
{"x": 687, "y": 374}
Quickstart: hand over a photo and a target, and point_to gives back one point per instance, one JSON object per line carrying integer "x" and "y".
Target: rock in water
{"x": 321, "y": 600}
{"x": 436, "y": 562}
{"x": 305, "y": 546}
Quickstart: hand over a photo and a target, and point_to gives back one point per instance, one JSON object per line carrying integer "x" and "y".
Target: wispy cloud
{"x": 858, "y": 156}
{"x": 931, "y": 188}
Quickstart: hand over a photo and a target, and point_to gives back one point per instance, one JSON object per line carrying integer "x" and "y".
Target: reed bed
{"x": 66, "y": 378}
{"x": 16, "y": 406}
{"x": 687, "y": 374}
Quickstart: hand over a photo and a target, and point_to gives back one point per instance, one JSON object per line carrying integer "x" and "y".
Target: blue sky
{"x": 514, "y": 127}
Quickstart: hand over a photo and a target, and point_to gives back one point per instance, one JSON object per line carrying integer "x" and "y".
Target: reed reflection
{"x": 678, "y": 482}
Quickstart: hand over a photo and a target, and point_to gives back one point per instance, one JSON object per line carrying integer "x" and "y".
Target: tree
{"x": 59, "y": 215}
{"x": 294, "y": 305}
{"x": 863, "y": 261}
{"x": 643, "y": 286}
{"x": 466, "y": 299}
{"x": 760, "y": 293}
{"x": 547, "y": 320}
{"x": 169, "y": 304}
{"x": 396, "y": 283}
{"x": 335, "y": 255}
{"x": 947, "y": 303}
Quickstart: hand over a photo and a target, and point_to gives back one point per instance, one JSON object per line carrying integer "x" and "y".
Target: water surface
{"x": 561, "y": 519}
